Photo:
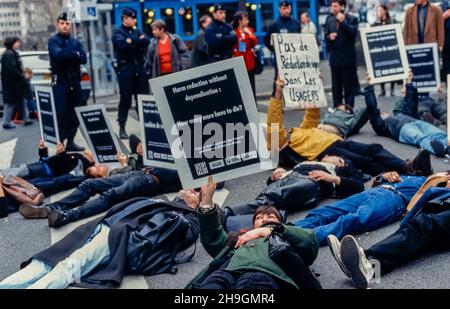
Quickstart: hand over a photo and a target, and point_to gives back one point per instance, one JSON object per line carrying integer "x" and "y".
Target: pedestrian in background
{"x": 220, "y": 36}
{"x": 130, "y": 47}
{"x": 384, "y": 18}
{"x": 13, "y": 83}
{"x": 307, "y": 25}
{"x": 31, "y": 103}
{"x": 167, "y": 52}
{"x": 341, "y": 30}
{"x": 284, "y": 24}
{"x": 244, "y": 47}
{"x": 445, "y": 6}
{"x": 200, "y": 49}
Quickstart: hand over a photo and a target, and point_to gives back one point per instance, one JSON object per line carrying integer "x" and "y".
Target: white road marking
{"x": 7, "y": 153}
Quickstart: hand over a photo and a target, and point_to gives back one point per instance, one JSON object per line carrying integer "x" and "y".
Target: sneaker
{"x": 438, "y": 148}
{"x": 71, "y": 146}
{"x": 335, "y": 247}
{"x": 355, "y": 261}
{"x": 28, "y": 123}
{"x": 29, "y": 211}
{"x": 56, "y": 218}
{"x": 9, "y": 126}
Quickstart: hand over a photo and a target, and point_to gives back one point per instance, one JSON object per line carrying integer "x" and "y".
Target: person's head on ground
{"x": 240, "y": 20}
{"x": 97, "y": 171}
{"x": 338, "y": 6}
{"x": 285, "y": 9}
{"x": 12, "y": 43}
{"x": 129, "y": 16}
{"x": 264, "y": 215}
{"x": 191, "y": 197}
{"x": 305, "y": 18}
{"x": 205, "y": 21}
{"x": 64, "y": 24}
{"x": 345, "y": 108}
{"x": 335, "y": 160}
{"x": 159, "y": 29}
{"x": 219, "y": 13}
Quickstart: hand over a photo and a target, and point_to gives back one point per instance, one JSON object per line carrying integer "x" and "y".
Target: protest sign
{"x": 48, "y": 123}
{"x": 298, "y": 65}
{"x": 424, "y": 62}
{"x": 97, "y": 131}
{"x": 211, "y": 122}
{"x": 156, "y": 147}
{"x": 384, "y": 52}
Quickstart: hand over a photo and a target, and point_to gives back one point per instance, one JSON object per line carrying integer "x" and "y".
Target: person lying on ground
{"x": 404, "y": 127}
{"x": 243, "y": 264}
{"x": 425, "y": 230}
{"x": 308, "y": 142}
{"x": 343, "y": 120}
{"x": 98, "y": 254}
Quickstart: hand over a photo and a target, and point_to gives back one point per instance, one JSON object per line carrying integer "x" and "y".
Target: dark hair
{"x": 203, "y": 19}
{"x": 9, "y": 41}
{"x": 159, "y": 23}
{"x": 388, "y": 16}
{"x": 267, "y": 210}
{"x": 237, "y": 17}
{"x": 341, "y": 2}
{"x": 306, "y": 14}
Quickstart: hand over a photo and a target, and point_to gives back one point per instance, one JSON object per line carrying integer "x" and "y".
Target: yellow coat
{"x": 306, "y": 140}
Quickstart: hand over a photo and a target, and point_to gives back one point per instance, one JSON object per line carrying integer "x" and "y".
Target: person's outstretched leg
{"x": 26, "y": 276}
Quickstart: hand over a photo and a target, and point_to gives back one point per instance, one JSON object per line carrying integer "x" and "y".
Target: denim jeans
{"x": 112, "y": 190}
{"x": 360, "y": 213}
{"x": 38, "y": 275}
{"x": 421, "y": 133}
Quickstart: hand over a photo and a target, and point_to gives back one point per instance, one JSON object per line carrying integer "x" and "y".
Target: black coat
{"x": 281, "y": 25}
{"x": 112, "y": 273}
{"x": 13, "y": 80}
{"x": 220, "y": 38}
{"x": 342, "y": 49}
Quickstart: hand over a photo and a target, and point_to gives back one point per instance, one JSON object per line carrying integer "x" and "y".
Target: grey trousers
{"x": 9, "y": 109}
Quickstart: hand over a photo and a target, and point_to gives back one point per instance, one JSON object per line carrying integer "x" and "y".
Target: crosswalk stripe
{"x": 7, "y": 153}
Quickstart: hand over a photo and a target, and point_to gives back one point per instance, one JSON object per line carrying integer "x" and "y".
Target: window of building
{"x": 187, "y": 20}
{"x": 167, "y": 15}
{"x": 267, "y": 15}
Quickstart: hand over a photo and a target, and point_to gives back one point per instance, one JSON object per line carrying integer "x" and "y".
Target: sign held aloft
{"x": 298, "y": 65}
{"x": 48, "y": 123}
{"x": 424, "y": 62}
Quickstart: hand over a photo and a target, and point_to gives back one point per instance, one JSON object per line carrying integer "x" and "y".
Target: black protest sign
{"x": 48, "y": 122}
{"x": 384, "y": 53}
{"x": 156, "y": 147}
{"x": 212, "y": 129}
{"x": 424, "y": 62}
{"x": 98, "y": 133}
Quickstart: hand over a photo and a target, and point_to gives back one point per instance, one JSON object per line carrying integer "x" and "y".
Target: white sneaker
{"x": 355, "y": 261}
{"x": 335, "y": 247}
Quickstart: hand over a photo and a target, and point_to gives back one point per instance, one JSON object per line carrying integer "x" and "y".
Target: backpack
{"x": 155, "y": 247}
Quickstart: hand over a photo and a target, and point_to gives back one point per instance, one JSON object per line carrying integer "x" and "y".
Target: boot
{"x": 57, "y": 218}
{"x": 71, "y": 146}
{"x": 122, "y": 133}
{"x": 421, "y": 165}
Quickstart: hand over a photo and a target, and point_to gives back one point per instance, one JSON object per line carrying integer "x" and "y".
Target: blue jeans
{"x": 360, "y": 213}
{"x": 420, "y": 134}
{"x": 112, "y": 190}
{"x": 39, "y": 275}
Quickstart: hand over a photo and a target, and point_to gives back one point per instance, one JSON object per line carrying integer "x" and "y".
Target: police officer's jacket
{"x": 220, "y": 38}
{"x": 281, "y": 25}
{"x": 129, "y": 53}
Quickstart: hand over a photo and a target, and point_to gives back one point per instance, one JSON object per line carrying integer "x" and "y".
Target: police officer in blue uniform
{"x": 130, "y": 46}
{"x": 66, "y": 57}
{"x": 283, "y": 24}
{"x": 220, "y": 36}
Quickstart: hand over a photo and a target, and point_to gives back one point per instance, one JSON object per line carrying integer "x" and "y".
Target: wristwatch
{"x": 205, "y": 207}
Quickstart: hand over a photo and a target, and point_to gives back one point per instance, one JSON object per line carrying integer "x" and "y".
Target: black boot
{"x": 123, "y": 134}
{"x": 57, "y": 218}
{"x": 71, "y": 146}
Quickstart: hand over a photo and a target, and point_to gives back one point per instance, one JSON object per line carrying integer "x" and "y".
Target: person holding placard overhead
{"x": 66, "y": 56}
{"x": 445, "y": 6}
{"x": 284, "y": 24}
{"x": 341, "y": 30}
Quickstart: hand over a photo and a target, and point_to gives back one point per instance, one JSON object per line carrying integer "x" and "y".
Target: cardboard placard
{"x": 211, "y": 122}
{"x": 155, "y": 145}
{"x": 424, "y": 62}
{"x": 299, "y": 67}
{"x": 385, "y": 54}
{"x": 99, "y": 135}
{"x": 48, "y": 122}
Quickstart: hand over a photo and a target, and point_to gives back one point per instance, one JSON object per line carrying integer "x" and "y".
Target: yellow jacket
{"x": 307, "y": 140}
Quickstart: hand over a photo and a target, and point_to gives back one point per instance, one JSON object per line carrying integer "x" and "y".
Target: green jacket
{"x": 254, "y": 255}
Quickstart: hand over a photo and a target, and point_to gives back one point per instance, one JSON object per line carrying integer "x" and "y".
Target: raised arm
{"x": 275, "y": 117}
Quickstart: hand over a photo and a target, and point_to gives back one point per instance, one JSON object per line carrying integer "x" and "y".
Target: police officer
{"x": 66, "y": 57}
{"x": 220, "y": 36}
{"x": 130, "y": 46}
{"x": 284, "y": 24}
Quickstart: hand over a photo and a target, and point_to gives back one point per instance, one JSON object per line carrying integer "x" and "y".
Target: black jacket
{"x": 13, "y": 80}
{"x": 66, "y": 56}
{"x": 63, "y": 163}
{"x": 129, "y": 53}
{"x": 281, "y": 25}
{"x": 133, "y": 216}
{"x": 220, "y": 38}
{"x": 342, "y": 49}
